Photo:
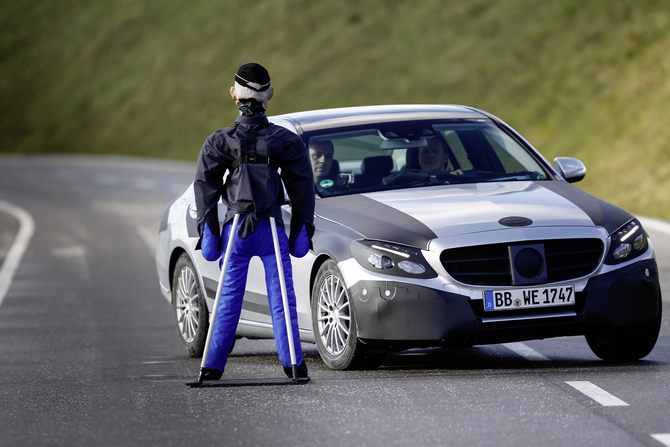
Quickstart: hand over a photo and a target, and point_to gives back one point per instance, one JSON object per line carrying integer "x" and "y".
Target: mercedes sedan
{"x": 436, "y": 225}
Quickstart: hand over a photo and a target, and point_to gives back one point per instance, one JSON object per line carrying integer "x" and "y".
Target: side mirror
{"x": 570, "y": 168}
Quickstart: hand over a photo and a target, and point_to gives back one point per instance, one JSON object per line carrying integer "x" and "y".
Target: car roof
{"x": 348, "y": 116}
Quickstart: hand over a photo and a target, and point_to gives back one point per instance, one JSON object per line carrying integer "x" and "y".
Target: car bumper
{"x": 397, "y": 315}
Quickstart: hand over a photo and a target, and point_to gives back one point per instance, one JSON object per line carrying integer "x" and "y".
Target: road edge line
{"x": 656, "y": 225}
{"x": 18, "y": 248}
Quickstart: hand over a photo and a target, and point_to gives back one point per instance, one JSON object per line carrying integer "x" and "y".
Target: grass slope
{"x": 588, "y": 79}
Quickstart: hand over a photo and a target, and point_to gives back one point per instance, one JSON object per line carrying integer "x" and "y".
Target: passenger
{"x": 321, "y": 155}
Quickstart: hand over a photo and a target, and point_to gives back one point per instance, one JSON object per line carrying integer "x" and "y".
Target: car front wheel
{"x": 190, "y": 308}
{"x": 612, "y": 346}
{"x": 334, "y": 323}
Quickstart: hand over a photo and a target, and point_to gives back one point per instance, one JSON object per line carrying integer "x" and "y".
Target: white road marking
{"x": 69, "y": 251}
{"x": 526, "y": 352}
{"x": 66, "y": 176}
{"x": 75, "y": 258}
{"x": 18, "y": 248}
{"x": 107, "y": 179}
{"x": 663, "y": 438}
{"x": 149, "y": 235}
{"x": 145, "y": 184}
{"x": 598, "y": 394}
{"x": 656, "y": 225}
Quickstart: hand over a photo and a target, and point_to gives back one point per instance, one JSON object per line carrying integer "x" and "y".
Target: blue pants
{"x": 232, "y": 294}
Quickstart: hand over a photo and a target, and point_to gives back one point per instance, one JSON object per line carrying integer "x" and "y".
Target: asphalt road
{"x": 90, "y": 354}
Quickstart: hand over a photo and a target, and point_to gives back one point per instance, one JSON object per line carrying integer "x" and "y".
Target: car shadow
{"x": 563, "y": 354}
{"x": 494, "y": 357}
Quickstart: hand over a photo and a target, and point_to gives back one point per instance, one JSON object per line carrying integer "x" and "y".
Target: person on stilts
{"x": 251, "y": 153}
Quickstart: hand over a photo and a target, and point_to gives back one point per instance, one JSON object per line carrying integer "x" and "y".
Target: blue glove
{"x": 300, "y": 246}
{"x": 211, "y": 244}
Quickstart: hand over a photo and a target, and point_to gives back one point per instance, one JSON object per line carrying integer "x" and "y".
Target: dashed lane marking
{"x": 526, "y": 352}
{"x": 598, "y": 394}
{"x": 145, "y": 184}
{"x": 149, "y": 235}
{"x": 75, "y": 257}
{"x": 663, "y": 438}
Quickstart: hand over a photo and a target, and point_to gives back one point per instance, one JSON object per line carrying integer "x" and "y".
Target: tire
{"x": 612, "y": 346}
{"x": 334, "y": 324}
{"x": 190, "y": 308}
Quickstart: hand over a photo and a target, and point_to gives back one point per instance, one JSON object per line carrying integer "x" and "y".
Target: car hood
{"x": 415, "y": 216}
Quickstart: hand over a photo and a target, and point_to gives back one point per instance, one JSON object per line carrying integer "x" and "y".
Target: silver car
{"x": 494, "y": 245}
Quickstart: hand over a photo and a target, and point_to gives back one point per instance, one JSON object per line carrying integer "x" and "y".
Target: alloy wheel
{"x": 334, "y": 318}
{"x": 187, "y": 308}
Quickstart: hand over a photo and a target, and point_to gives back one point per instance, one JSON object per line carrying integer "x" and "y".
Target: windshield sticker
{"x": 327, "y": 183}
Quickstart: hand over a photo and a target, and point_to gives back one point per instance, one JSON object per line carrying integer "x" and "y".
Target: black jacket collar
{"x": 252, "y": 119}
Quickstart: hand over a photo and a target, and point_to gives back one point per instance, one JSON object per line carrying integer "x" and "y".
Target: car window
{"x": 513, "y": 157}
{"x": 351, "y": 151}
{"x": 458, "y": 150}
{"x": 383, "y": 156}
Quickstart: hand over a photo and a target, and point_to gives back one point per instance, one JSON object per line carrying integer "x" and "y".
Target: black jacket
{"x": 254, "y": 188}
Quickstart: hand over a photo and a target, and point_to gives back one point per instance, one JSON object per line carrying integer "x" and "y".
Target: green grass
{"x": 588, "y": 79}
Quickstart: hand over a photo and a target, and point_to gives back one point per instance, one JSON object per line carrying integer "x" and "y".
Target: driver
{"x": 434, "y": 156}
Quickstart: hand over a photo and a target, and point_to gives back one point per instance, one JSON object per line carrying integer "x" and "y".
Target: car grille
{"x": 490, "y": 265}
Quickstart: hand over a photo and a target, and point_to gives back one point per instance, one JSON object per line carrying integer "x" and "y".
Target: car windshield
{"x": 392, "y": 155}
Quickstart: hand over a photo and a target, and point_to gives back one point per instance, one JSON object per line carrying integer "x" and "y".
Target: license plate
{"x": 529, "y": 298}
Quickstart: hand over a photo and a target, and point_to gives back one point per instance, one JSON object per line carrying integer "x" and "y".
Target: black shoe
{"x": 302, "y": 371}
{"x": 210, "y": 374}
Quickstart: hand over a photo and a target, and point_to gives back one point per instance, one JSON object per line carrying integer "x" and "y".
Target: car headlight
{"x": 628, "y": 242}
{"x": 393, "y": 259}
{"x": 380, "y": 261}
